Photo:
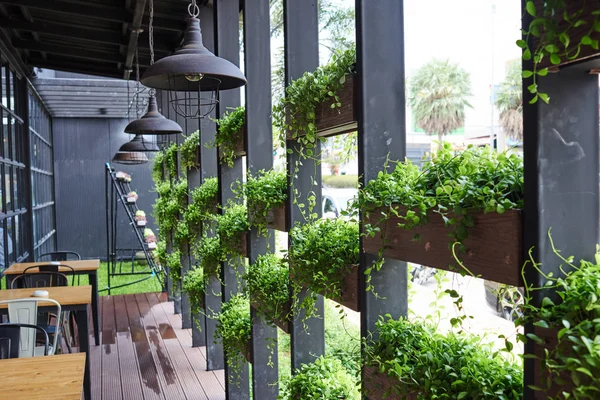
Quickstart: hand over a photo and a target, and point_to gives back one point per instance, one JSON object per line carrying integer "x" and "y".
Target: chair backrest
{"x": 11, "y": 345}
{"x": 24, "y": 311}
{"x": 40, "y": 279}
{"x": 59, "y": 256}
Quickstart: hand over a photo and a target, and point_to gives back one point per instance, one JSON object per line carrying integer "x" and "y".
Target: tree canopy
{"x": 509, "y": 101}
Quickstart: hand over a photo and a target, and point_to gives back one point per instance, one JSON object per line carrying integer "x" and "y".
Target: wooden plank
{"x": 59, "y": 377}
{"x": 494, "y": 247}
{"x": 212, "y": 382}
{"x": 130, "y": 376}
{"x": 335, "y": 121}
{"x": 77, "y": 265}
{"x": 151, "y": 387}
{"x": 108, "y": 321}
{"x": 96, "y": 371}
{"x": 65, "y": 295}
{"x": 162, "y": 322}
{"x": 111, "y": 380}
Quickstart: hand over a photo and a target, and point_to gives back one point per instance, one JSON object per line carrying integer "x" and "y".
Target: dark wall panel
{"x": 82, "y": 146}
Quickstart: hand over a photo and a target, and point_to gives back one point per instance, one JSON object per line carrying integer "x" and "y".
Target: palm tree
{"x": 438, "y": 95}
{"x": 509, "y": 101}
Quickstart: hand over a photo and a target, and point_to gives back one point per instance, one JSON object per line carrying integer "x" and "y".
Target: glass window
{"x": 11, "y": 90}
{"x": 4, "y": 92}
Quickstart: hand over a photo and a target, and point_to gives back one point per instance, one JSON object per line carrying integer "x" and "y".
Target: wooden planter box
{"x": 377, "y": 385}
{"x": 284, "y": 325}
{"x": 335, "y": 121}
{"x": 494, "y": 247}
{"x": 247, "y": 352}
{"x": 240, "y": 144}
{"x": 276, "y": 218}
{"x": 349, "y": 289}
{"x": 549, "y": 335}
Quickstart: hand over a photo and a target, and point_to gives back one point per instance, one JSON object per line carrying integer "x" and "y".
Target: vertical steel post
{"x": 259, "y": 143}
{"x": 208, "y": 168}
{"x": 301, "y": 37}
{"x": 381, "y": 135}
{"x": 227, "y": 19}
{"x": 560, "y": 149}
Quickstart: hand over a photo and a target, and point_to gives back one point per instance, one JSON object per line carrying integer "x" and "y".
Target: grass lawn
{"x": 340, "y": 181}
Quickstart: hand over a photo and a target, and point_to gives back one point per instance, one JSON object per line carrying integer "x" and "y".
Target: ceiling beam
{"x": 71, "y": 51}
{"x": 87, "y": 10}
{"x": 134, "y": 33}
{"x": 82, "y": 68}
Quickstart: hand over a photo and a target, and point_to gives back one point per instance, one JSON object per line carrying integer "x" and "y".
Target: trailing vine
{"x": 451, "y": 184}
{"x": 194, "y": 286}
{"x": 263, "y": 192}
{"x": 188, "y": 151}
{"x": 430, "y": 365}
{"x": 233, "y": 328}
{"x": 171, "y": 199}
{"x": 229, "y": 228}
{"x": 202, "y": 206}
{"x": 268, "y": 284}
{"x": 173, "y": 260}
{"x": 321, "y": 255}
{"x": 228, "y": 134}
{"x": 550, "y": 35}
{"x": 208, "y": 251}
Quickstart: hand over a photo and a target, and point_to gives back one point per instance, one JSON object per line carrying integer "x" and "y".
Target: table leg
{"x": 93, "y": 277}
{"x": 84, "y": 347}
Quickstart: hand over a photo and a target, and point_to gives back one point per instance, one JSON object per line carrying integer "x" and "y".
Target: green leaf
{"x": 545, "y": 98}
{"x": 543, "y": 72}
{"x": 555, "y": 59}
{"x": 579, "y": 23}
{"x": 586, "y": 40}
{"x": 530, "y": 7}
{"x": 526, "y": 74}
{"x": 521, "y": 43}
{"x": 527, "y": 55}
{"x": 551, "y": 48}
{"x": 564, "y": 39}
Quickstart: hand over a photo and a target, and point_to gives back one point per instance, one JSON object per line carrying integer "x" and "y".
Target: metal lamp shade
{"x": 139, "y": 144}
{"x": 193, "y": 75}
{"x": 130, "y": 158}
{"x": 153, "y": 122}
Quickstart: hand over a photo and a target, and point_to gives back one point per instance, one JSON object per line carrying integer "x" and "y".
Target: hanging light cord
{"x": 151, "y": 31}
{"x": 137, "y": 83}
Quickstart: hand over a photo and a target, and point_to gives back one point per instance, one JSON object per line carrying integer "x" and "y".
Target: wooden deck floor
{"x": 146, "y": 355}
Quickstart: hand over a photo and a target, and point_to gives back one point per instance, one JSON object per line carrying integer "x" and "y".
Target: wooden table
{"x": 57, "y": 377}
{"x": 71, "y": 298}
{"x": 81, "y": 267}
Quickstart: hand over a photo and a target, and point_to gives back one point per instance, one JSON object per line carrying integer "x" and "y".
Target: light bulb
{"x": 194, "y": 77}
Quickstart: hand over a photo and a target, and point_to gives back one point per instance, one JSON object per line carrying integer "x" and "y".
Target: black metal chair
{"x": 10, "y": 340}
{"x": 52, "y": 268}
{"x": 48, "y": 276}
{"x": 59, "y": 256}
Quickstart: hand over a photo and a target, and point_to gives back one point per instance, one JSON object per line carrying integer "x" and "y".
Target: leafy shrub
{"x": 265, "y": 191}
{"x": 436, "y": 366}
{"x": 208, "y": 251}
{"x": 320, "y": 256}
{"x": 324, "y": 379}
{"x": 171, "y": 200}
{"x": 203, "y": 203}
{"x": 194, "y": 285}
{"x": 229, "y": 227}
{"x": 174, "y": 263}
{"x": 268, "y": 283}
{"x": 233, "y": 328}
{"x": 188, "y": 150}
{"x": 230, "y": 126}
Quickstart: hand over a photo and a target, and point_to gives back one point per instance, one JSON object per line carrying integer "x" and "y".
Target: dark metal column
{"x": 24, "y": 103}
{"x": 208, "y": 168}
{"x": 227, "y": 19}
{"x": 259, "y": 139}
{"x": 561, "y": 148}
{"x": 301, "y": 27}
{"x": 381, "y": 134}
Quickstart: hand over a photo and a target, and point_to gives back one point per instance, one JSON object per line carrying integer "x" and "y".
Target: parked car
{"x": 334, "y": 201}
{"x": 507, "y": 300}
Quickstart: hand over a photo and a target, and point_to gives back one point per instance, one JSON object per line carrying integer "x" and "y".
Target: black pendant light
{"x": 193, "y": 75}
{"x": 130, "y": 158}
{"x": 140, "y": 144}
{"x": 153, "y": 122}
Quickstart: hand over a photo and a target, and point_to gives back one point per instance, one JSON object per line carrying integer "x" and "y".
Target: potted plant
{"x": 131, "y": 197}
{"x": 233, "y": 330}
{"x": 208, "y": 250}
{"x": 150, "y": 238}
{"x": 324, "y": 257}
{"x": 325, "y": 378}
{"x": 174, "y": 264}
{"x": 189, "y": 151}
{"x": 266, "y": 194}
{"x": 194, "y": 286}
{"x": 202, "y": 205}
{"x": 463, "y": 206}
{"x": 412, "y": 360}
{"x": 140, "y": 218}
{"x": 230, "y": 138}
{"x": 231, "y": 228}
{"x": 123, "y": 176}
{"x": 268, "y": 287}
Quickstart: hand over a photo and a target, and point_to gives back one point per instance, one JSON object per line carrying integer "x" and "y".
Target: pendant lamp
{"x": 153, "y": 122}
{"x": 140, "y": 144}
{"x": 130, "y": 158}
{"x": 193, "y": 75}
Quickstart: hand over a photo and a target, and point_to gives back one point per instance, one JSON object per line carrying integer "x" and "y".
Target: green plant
{"x": 233, "y": 328}
{"x": 194, "y": 285}
{"x": 324, "y": 379}
{"x": 188, "y": 150}
{"x": 438, "y": 95}
{"x": 229, "y": 228}
{"x": 208, "y": 251}
{"x": 160, "y": 253}
{"x": 171, "y": 200}
{"x": 230, "y": 129}
{"x": 263, "y": 192}
{"x": 174, "y": 263}
{"x": 572, "y": 312}
{"x": 321, "y": 254}
{"x": 158, "y": 167}
{"x": 451, "y": 184}
{"x": 430, "y": 365}
{"x": 203, "y": 204}
{"x": 268, "y": 283}
{"x": 550, "y": 35}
